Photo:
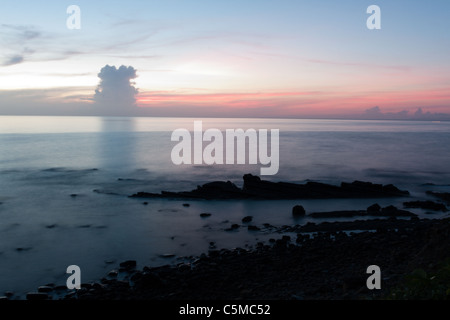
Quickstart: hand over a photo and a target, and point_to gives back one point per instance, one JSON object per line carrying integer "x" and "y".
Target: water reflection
{"x": 117, "y": 143}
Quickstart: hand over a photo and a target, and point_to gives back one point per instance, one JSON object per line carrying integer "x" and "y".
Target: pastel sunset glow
{"x": 229, "y": 58}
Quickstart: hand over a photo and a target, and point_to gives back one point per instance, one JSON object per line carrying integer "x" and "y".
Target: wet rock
{"x": 45, "y": 289}
{"x": 186, "y": 205}
{"x": 233, "y": 227}
{"x": 338, "y": 214}
{"x": 128, "y": 265}
{"x": 167, "y": 255}
{"x": 253, "y": 228}
{"x": 429, "y": 205}
{"x": 113, "y": 273}
{"x": 37, "y": 296}
{"x": 392, "y": 211}
{"x": 255, "y": 188}
{"x": 9, "y": 294}
{"x": 375, "y": 208}
{"x": 61, "y": 288}
{"x": 51, "y": 226}
{"x": 205, "y": 215}
{"x": 23, "y": 249}
{"x": 86, "y": 286}
{"x": 441, "y": 195}
{"x": 298, "y": 211}
{"x": 145, "y": 203}
{"x": 247, "y": 219}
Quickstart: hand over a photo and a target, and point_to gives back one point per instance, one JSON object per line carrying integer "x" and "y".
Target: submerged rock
{"x": 127, "y": 265}
{"x": 298, "y": 211}
{"x": 441, "y": 195}
{"x": 429, "y": 205}
{"x": 205, "y": 215}
{"x": 374, "y": 210}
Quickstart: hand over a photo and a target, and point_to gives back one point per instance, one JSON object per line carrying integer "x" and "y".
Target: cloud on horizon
{"x": 375, "y": 113}
{"x": 116, "y": 94}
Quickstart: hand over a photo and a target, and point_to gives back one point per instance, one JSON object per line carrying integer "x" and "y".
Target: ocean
{"x": 46, "y": 161}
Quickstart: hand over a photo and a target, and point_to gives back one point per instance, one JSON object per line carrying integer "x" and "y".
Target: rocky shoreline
{"x": 331, "y": 265}
{"x": 312, "y": 261}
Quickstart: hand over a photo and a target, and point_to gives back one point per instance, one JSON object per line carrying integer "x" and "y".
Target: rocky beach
{"x": 312, "y": 261}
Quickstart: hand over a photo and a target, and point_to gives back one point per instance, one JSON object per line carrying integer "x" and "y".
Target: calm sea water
{"x": 44, "y": 160}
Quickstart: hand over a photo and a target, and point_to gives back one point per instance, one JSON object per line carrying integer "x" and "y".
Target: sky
{"x": 246, "y": 58}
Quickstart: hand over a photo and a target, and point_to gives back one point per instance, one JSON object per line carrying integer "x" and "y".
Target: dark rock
{"x": 61, "y": 288}
{"x": 130, "y": 264}
{"x": 186, "y": 205}
{"x": 74, "y": 195}
{"x": 338, "y": 214}
{"x": 113, "y": 273}
{"x": 392, "y": 211}
{"x": 298, "y": 211}
{"x": 375, "y": 208}
{"x": 253, "y": 228}
{"x": 149, "y": 280}
{"x": 145, "y": 203}
{"x": 45, "y": 289}
{"x": 86, "y": 286}
{"x": 9, "y": 294}
{"x": 441, "y": 195}
{"x": 205, "y": 215}
{"x": 4, "y": 297}
{"x": 429, "y": 205}
{"x": 255, "y": 188}
{"x": 247, "y": 219}
{"x": 233, "y": 227}
{"x": 37, "y": 296}
{"x": 51, "y": 226}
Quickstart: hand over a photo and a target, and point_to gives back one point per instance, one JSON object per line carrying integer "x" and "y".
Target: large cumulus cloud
{"x": 116, "y": 93}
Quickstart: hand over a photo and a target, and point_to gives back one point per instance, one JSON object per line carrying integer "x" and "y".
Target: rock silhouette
{"x": 255, "y": 188}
